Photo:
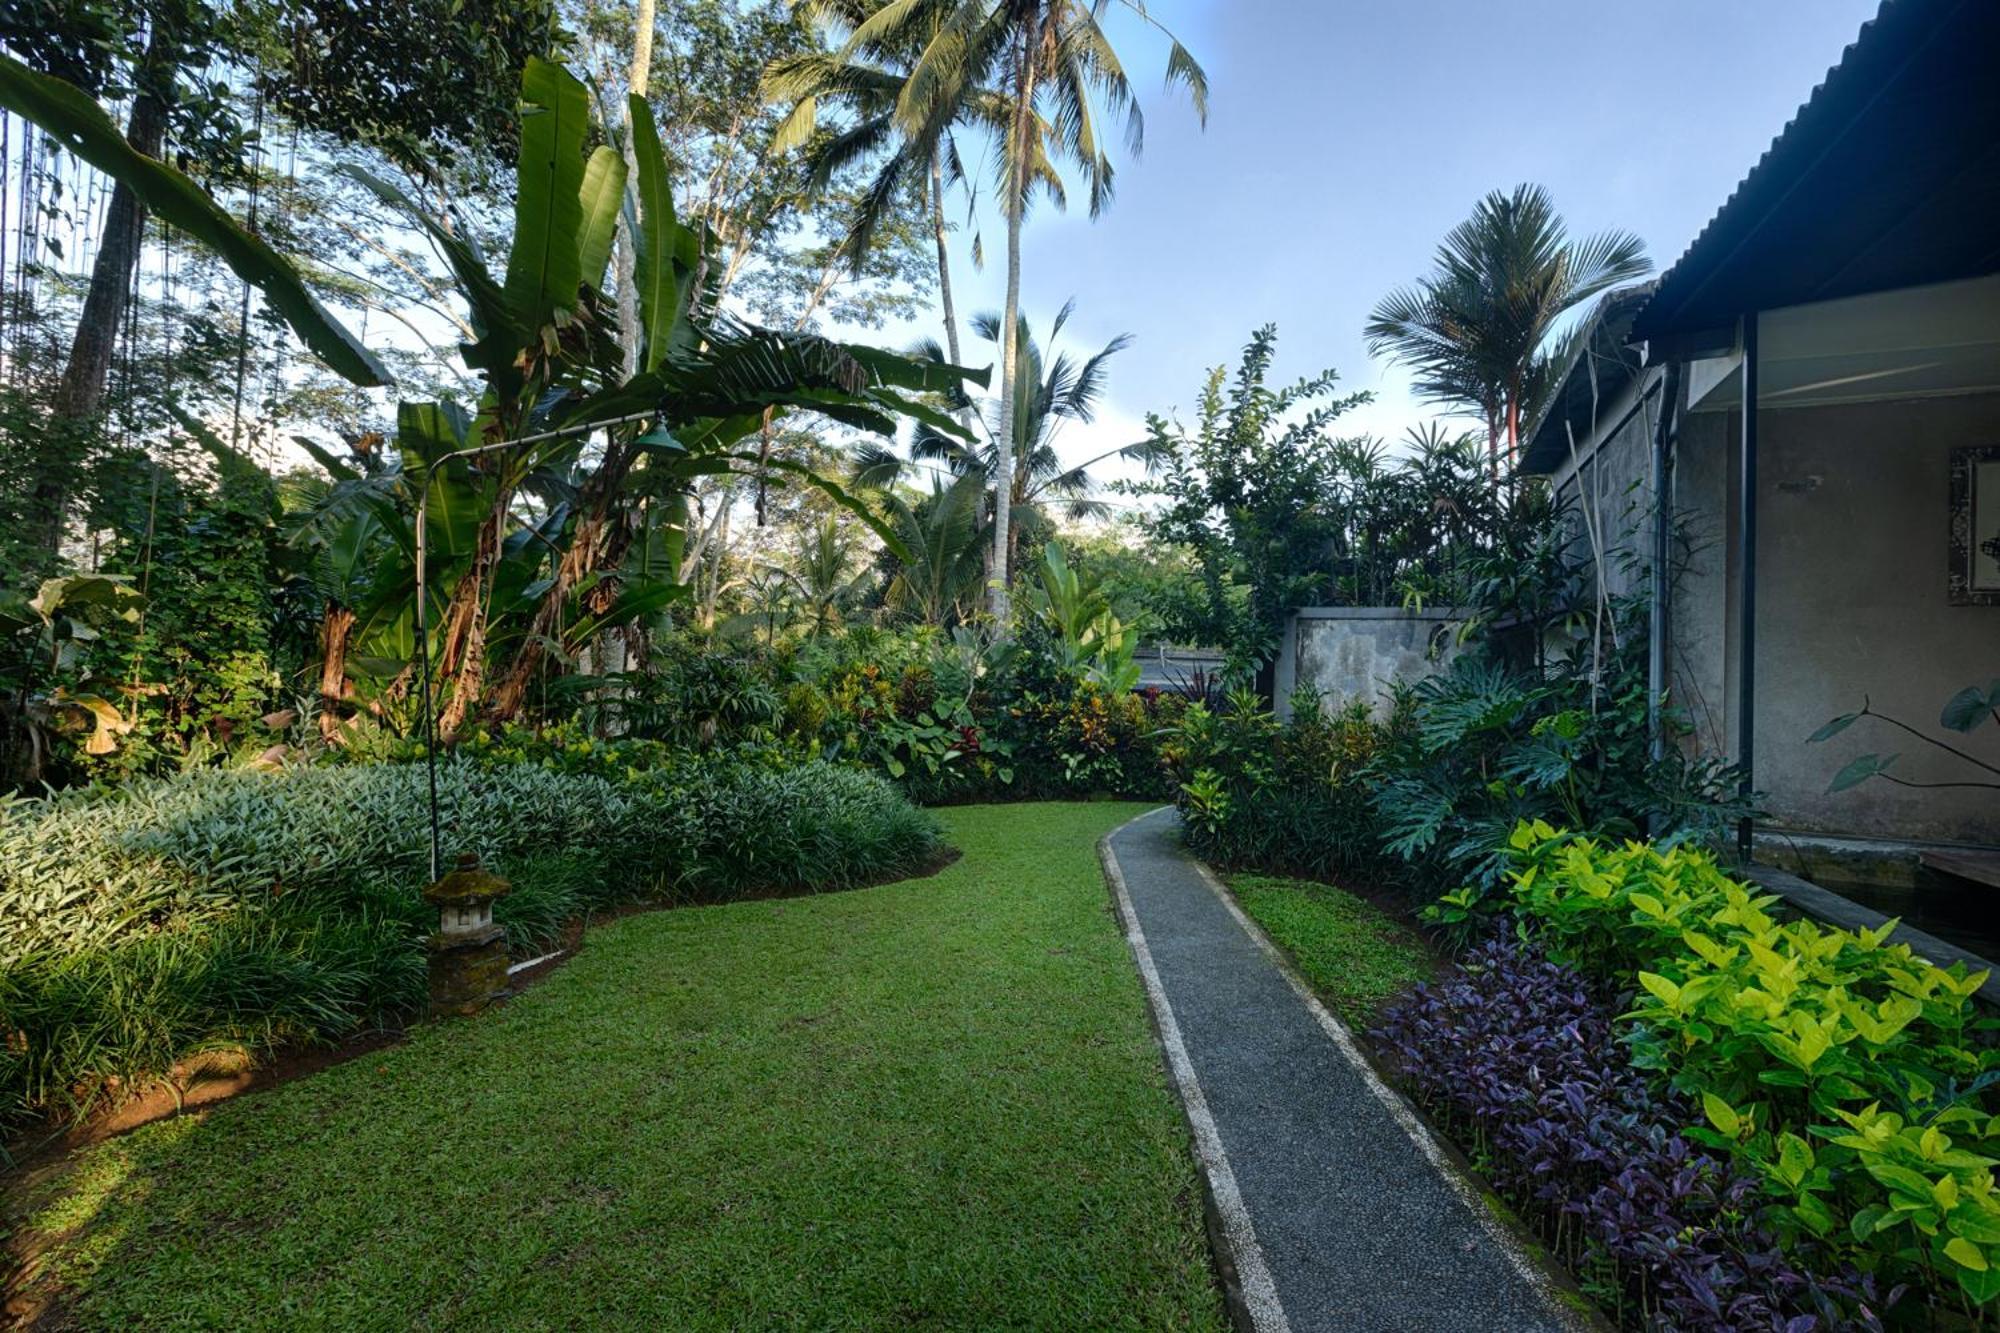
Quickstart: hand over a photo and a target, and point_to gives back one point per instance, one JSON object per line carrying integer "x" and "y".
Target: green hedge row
{"x": 142, "y": 926}
{"x": 1853, "y": 1079}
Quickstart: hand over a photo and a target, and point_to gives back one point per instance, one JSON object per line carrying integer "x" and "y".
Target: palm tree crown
{"x": 1476, "y": 329}
{"x": 1039, "y": 76}
{"x": 1052, "y": 390}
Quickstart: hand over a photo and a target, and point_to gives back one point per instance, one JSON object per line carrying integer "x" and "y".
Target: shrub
{"x": 957, "y": 719}
{"x": 815, "y": 826}
{"x": 143, "y": 925}
{"x": 81, "y": 1027}
{"x": 1086, "y": 739}
{"x": 1291, "y": 797}
{"x": 1845, "y": 1074}
{"x": 1488, "y": 745}
{"x": 1518, "y": 1055}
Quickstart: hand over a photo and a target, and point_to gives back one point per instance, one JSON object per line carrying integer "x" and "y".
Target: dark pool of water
{"x": 1967, "y": 915}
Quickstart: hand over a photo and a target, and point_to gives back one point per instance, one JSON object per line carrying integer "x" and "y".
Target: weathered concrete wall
{"x": 1851, "y": 604}
{"x": 1850, "y": 601}
{"x": 1608, "y": 484}
{"x": 1355, "y": 652}
{"x": 1703, "y": 598}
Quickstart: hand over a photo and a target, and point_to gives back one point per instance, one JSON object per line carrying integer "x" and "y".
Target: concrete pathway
{"x": 1332, "y": 1206}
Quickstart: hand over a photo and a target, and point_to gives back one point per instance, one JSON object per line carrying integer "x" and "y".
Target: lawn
{"x": 1356, "y": 956}
{"x": 932, "y": 1103}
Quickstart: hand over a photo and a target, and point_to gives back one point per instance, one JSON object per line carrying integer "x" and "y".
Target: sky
{"x": 1345, "y": 138}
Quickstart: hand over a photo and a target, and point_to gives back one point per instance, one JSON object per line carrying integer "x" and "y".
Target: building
{"x": 1814, "y": 386}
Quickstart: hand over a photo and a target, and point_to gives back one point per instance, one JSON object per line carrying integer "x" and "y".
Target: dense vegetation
{"x": 1720, "y": 1118}
{"x": 697, "y": 602}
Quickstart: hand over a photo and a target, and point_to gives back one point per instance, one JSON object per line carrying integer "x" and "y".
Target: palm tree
{"x": 938, "y": 582}
{"x": 868, "y": 90}
{"x": 1476, "y": 330}
{"x": 820, "y": 574}
{"x": 1049, "y": 393}
{"x": 1038, "y": 74}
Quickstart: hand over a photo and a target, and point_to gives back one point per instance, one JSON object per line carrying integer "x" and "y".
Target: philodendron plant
{"x": 1964, "y": 712}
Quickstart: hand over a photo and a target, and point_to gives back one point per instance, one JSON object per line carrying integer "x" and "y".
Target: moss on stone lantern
{"x": 468, "y": 968}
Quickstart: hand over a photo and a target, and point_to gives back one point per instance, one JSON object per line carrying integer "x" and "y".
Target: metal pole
{"x": 424, "y": 656}
{"x": 1660, "y": 620}
{"x": 1746, "y": 596}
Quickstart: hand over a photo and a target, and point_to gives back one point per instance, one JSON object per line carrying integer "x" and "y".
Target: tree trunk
{"x": 591, "y": 549}
{"x": 464, "y": 658}
{"x": 638, "y": 80}
{"x": 335, "y": 631}
{"x": 1513, "y": 424}
{"x": 79, "y": 397}
{"x": 944, "y": 263}
{"x": 1010, "y": 340}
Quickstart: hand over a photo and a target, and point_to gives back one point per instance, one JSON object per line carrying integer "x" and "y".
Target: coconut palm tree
{"x": 867, "y": 90}
{"x": 1050, "y": 392}
{"x": 821, "y": 576}
{"x": 937, "y": 582}
{"x": 1477, "y": 330}
{"x": 1040, "y": 76}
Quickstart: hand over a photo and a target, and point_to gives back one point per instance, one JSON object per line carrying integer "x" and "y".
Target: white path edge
{"x": 1259, "y": 1292}
{"x": 1249, "y": 1257}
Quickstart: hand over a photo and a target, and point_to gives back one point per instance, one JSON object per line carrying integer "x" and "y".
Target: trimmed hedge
{"x": 1851, "y": 1079}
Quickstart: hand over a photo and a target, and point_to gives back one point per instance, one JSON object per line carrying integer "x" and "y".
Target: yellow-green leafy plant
{"x": 1850, "y": 1074}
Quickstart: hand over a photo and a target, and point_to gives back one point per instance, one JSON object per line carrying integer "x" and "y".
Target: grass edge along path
{"x": 936, "y": 1102}
{"x": 1355, "y": 955}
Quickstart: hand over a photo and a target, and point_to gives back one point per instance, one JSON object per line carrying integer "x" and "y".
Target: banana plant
{"x": 556, "y": 394}
{"x": 1089, "y": 638}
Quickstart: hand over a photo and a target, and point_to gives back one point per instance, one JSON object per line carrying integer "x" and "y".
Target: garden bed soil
{"x": 218, "y": 1076}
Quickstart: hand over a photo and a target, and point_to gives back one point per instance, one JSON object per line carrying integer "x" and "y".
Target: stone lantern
{"x": 469, "y": 951}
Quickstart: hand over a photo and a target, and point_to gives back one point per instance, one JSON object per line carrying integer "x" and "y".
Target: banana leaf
{"x": 500, "y": 335}
{"x": 603, "y": 192}
{"x": 666, "y": 252}
{"x": 544, "y": 268}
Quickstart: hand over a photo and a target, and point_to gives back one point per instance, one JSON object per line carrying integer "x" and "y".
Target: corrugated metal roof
{"x": 1907, "y": 112}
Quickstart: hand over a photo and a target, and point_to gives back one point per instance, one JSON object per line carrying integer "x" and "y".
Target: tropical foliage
{"x": 249, "y": 911}
{"x": 1039, "y": 78}
{"x": 1477, "y": 330}
{"x": 1842, "y": 1073}
{"x": 1278, "y": 510}
{"x": 1043, "y": 488}
{"x": 1520, "y": 1056}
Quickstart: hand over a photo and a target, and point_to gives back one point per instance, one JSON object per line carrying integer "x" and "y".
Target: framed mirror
{"x": 1975, "y": 526}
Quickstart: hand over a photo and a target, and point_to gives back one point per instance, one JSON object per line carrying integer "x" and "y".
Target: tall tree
{"x": 867, "y": 92}
{"x": 1476, "y": 331}
{"x": 1253, "y": 493}
{"x": 186, "y": 71}
{"x": 1052, "y": 390}
{"x": 1050, "y": 70}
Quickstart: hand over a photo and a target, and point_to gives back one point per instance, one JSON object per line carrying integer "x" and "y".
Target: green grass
{"x": 1353, "y": 953}
{"x": 932, "y": 1103}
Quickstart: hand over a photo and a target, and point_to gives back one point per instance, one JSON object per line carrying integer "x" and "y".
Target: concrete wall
{"x": 1850, "y": 599}
{"x": 1355, "y": 652}
{"x": 1851, "y": 604}
{"x": 1608, "y": 483}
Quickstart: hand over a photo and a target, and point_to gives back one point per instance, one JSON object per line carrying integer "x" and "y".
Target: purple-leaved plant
{"x": 1517, "y": 1054}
